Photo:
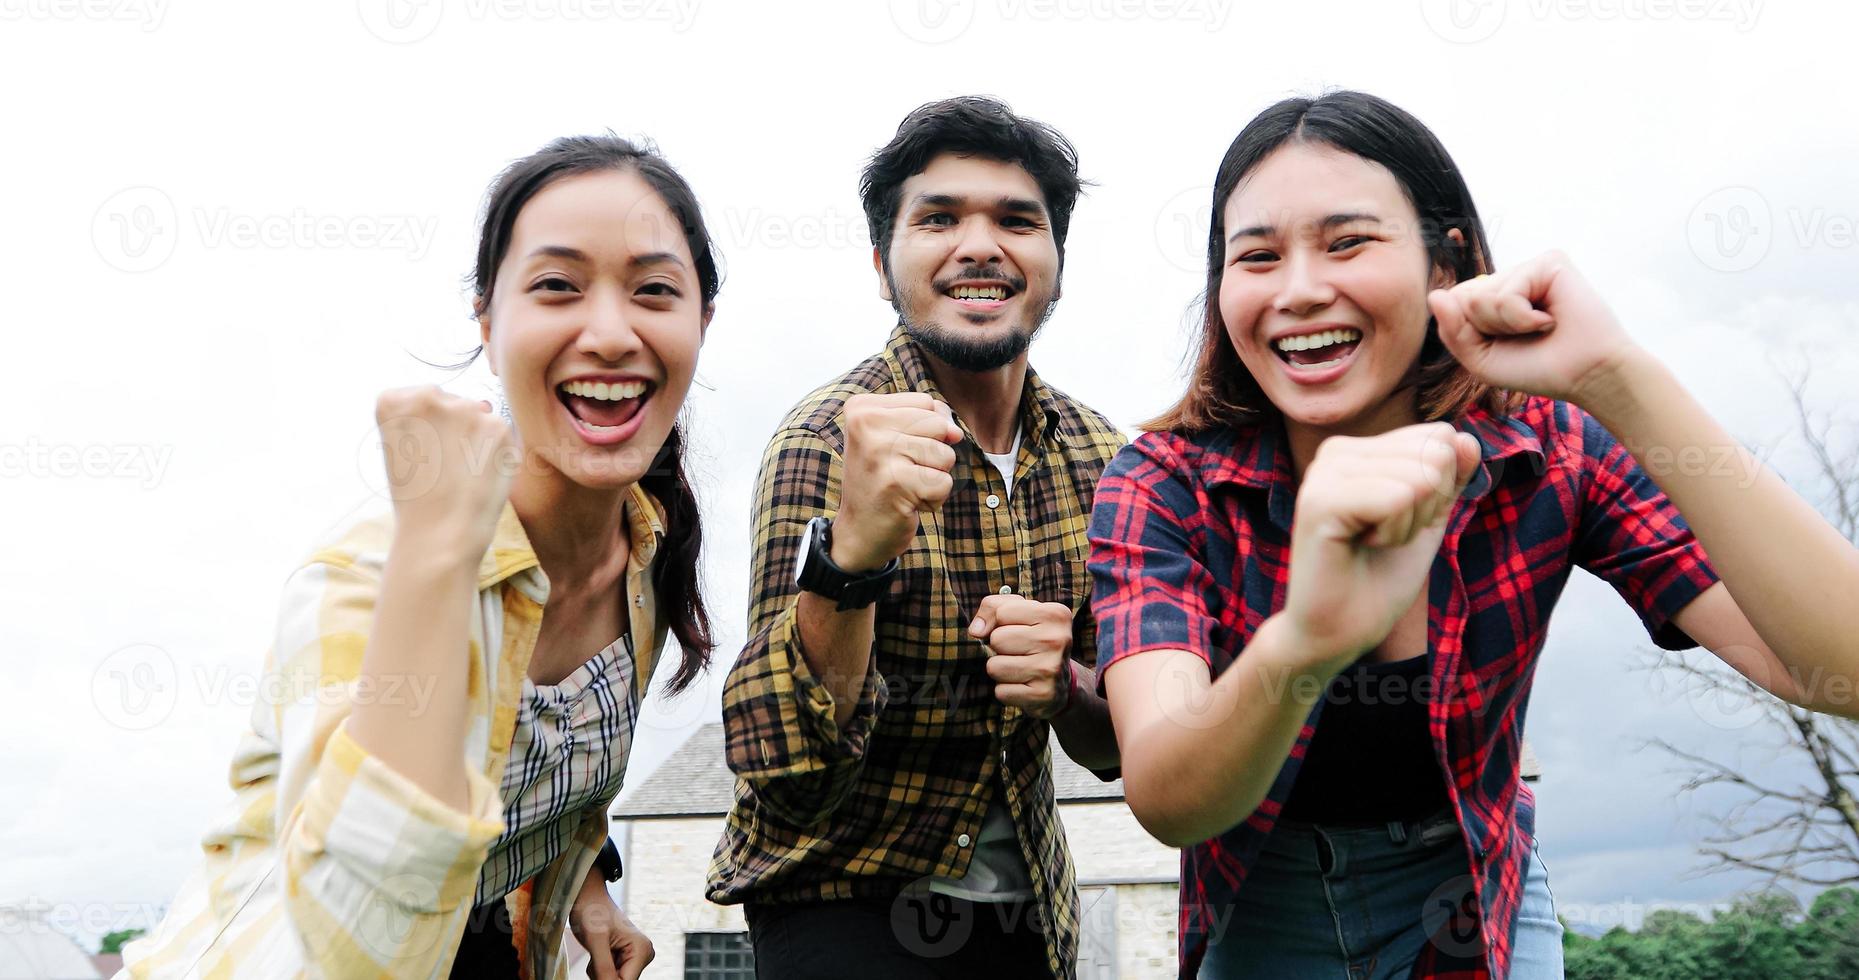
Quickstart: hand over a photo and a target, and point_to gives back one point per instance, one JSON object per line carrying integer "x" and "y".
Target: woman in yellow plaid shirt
{"x": 491, "y": 640}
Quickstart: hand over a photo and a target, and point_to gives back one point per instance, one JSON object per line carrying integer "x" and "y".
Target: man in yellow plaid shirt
{"x": 919, "y": 626}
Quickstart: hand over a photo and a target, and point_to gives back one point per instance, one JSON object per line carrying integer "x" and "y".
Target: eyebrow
{"x": 1013, "y": 205}
{"x": 1266, "y": 231}
{"x": 576, "y": 255}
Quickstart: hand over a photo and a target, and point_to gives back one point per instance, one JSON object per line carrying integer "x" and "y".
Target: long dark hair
{"x": 1221, "y": 392}
{"x": 675, "y": 573}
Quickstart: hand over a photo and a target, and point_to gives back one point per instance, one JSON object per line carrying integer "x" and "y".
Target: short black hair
{"x": 970, "y": 126}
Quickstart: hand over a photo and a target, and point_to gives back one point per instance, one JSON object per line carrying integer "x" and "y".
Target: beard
{"x": 960, "y": 351}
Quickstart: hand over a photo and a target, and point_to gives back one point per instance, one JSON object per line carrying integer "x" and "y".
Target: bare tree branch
{"x": 1807, "y": 834}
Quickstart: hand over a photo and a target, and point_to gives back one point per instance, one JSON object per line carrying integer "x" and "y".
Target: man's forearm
{"x": 837, "y": 648}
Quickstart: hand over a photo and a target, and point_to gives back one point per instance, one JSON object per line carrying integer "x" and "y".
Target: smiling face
{"x": 1324, "y": 290}
{"x": 974, "y": 266}
{"x": 594, "y": 326}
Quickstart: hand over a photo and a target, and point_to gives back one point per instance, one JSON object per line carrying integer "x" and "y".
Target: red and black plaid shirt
{"x": 1191, "y": 543}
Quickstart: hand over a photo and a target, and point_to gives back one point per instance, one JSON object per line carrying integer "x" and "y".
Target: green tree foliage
{"x": 1759, "y": 938}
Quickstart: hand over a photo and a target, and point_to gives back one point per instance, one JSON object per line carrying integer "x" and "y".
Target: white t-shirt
{"x": 997, "y": 872}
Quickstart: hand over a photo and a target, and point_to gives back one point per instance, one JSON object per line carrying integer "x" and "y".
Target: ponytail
{"x": 675, "y": 573}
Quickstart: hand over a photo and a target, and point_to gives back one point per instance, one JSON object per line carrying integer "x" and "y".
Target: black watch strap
{"x": 608, "y": 861}
{"x": 818, "y": 574}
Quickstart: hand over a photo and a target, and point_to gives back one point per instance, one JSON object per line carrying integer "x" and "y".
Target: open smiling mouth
{"x": 601, "y": 407}
{"x": 1318, "y": 351}
{"x": 983, "y": 295}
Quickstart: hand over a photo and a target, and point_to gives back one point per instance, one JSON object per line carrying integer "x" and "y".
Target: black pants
{"x": 485, "y": 951}
{"x": 916, "y": 937}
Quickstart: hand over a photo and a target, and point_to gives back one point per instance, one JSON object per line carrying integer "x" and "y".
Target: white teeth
{"x": 979, "y": 292}
{"x": 1313, "y": 341}
{"x": 605, "y": 392}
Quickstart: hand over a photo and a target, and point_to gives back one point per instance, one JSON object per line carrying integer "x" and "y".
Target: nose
{"x": 977, "y": 244}
{"x": 609, "y": 334}
{"x": 1303, "y": 289}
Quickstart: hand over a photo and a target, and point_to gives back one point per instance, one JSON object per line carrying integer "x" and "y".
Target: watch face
{"x": 806, "y": 546}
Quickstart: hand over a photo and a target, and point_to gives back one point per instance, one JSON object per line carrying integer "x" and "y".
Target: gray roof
{"x": 695, "y": 781}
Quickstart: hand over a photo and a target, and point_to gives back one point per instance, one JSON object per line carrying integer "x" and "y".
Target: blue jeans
{"x": 1360, "y": 904}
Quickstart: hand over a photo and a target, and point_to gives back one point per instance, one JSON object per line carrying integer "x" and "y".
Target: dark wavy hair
{"x": 969, "y": 126}
{"x": 1221, "y": 392}
{"x": 675, "y": 573}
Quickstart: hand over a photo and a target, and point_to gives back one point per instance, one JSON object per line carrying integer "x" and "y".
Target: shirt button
{"x": 994, "y": 500}
{"x": 1006, "y": 590}
{"x": 638, "y": 600}
{"x": 962, "y": 841}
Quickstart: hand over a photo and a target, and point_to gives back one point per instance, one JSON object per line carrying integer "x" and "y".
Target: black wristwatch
{"x": 815, "y": 572}
{"x": 608, "y": 861}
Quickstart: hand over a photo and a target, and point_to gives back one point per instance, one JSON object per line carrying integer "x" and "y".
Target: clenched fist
{"x": 449, "y": 466}
{"x": 899, "y": 457}
{"x": 1028, "y": 643}
{"x": 1539, "y": 327}
{"x": 1370, "y": 515}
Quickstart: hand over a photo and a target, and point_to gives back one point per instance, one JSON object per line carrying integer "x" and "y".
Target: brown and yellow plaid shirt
{"x": 898, "y": 794}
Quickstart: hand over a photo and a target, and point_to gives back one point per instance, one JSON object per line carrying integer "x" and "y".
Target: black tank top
{"x": 1371, "y": 759}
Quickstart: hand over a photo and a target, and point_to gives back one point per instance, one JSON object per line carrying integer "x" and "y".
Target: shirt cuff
{"x": 388, "y": 831}
{"x": 815, "y": 703}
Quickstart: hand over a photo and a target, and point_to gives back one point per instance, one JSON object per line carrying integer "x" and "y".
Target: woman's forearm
{"x": 419, "y": 640}
{"x": 1205, "y": 755}
{"x": 1084, "y": 728}
{"x": 1790, "y": 572}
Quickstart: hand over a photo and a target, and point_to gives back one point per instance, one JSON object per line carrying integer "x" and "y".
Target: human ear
{"x": 484, "y": 340}
{"x": 884, "y": 281}
{"x": 1443, "y": 277}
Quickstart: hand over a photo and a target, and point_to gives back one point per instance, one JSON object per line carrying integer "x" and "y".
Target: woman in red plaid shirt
{"x": 1336, "y": 556}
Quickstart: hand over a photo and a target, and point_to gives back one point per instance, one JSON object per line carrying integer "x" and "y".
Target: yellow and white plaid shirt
{"x": 328, "y": 863}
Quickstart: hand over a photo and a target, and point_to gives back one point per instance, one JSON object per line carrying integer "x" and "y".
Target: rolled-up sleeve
{"x": 378, "y": 873}
{"x": 780, "y": 733}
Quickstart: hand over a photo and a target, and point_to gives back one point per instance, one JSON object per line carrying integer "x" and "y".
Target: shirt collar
{"x": 511, "y": 554}
{"x": 1039, "y": 406}
{"x": 1257, "y": 456}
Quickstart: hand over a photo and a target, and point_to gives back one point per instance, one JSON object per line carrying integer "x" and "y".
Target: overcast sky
{"x": 233, "y": 224}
